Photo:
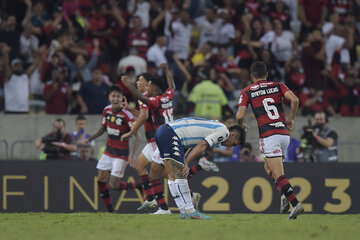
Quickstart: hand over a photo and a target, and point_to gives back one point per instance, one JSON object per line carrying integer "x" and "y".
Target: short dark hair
{"x": 159, "y": 82}
{"x": 258, "y": 69}
{"x": 241, "y": 133}
{"x": 147, "y": 76}
{"x": 80, "y": 117}
{"x": 115, "y": 88}
{"x": 60, "y": 120}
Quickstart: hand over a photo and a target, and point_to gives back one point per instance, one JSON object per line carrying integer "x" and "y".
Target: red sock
{"x": 284, "y": 187}
{"x": 147, "y": 187}
{"x": 105, "y": 195}
{"x": 158, "y": 191}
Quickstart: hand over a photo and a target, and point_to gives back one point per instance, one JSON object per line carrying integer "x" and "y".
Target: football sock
{"x": 158, "y": 191}
{"x": 126, "y": 185}
{"x": 285, "y": 188}
{"x": 193, "y": 170}
{"x": 185, "y": 195}
{"x": 147, "y": 187}
{"x": 174, "y": 190}
{"x": 105, "y": 195}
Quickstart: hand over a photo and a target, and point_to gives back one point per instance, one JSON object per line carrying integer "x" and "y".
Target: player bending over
{"x": 265, "y": 98}
{"x": 116, "y": 121}
{"x": 199, "y": 134}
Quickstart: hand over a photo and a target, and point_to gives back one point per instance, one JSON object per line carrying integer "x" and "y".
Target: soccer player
{"x": 157, "y": 101}
{"x": 266, "y": 98}
{"x": 116, "y": 121}
{"x": 199, "y": 134}
{"x": 150, "y": 153}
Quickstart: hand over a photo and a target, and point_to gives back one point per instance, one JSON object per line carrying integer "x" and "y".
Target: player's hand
{"x": 125, "y": 136}
{"x": 163, "y": 66}
{"x": 290, "y": 124}
{"x": 185, "y": 170}
{"x": 124, "y": 80}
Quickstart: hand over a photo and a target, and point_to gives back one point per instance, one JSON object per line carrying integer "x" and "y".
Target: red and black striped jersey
{"x": 149, "y": 124}
{"x": 161, "y": 108}
{"x": 265, "y": 98}
{"x": 140, "y": 41}
{"x": 117, "y": 124}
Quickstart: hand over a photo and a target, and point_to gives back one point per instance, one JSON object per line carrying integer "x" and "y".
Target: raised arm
{"x": 138, "y": 95}
{"x": 169, "y": 77}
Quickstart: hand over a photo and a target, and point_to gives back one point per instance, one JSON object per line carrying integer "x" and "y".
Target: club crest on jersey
{"x": 255, "y": 87}
{"x": 112, "y": 119}
{"x": 118, "y": 121}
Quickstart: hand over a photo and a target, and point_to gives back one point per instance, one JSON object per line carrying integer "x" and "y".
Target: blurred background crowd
{"x": 60, "y": 57}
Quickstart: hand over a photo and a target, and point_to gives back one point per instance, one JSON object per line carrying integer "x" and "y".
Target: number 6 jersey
{"x": 265, "y": 98}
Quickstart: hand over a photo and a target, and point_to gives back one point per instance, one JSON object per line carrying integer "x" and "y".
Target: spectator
{"x": 57, "y": 93}
{"x": 80, "y": 134}
{"x": 328, "y": 27}
{"x": 86, "y": 154}
{"x": 246, "y": 154}
{"x": 35, "y": 70}
{"x": 5, "y": 71}
{"x": 29, "y": 44}
{"x": 134, "y": 60}
{"x": 11, "y": 36}
{"x": 139, "y": 37}
{"x": 226, "y": 33}
{"x": 284, "y": 44}
{"x": 294, "y": 75}
{"x": 139, "y": 8}
{"x": 209, "y": 26}
{"x": 58, "y": 144}
{"x": 313, "y": 59}
{"x": 16, "y": 89}
{"x": 92, "y": 96}
{"x": 280, "y": 13}
{"x": 156, "y": 53}
{"x": 181, "y": 35}
{"x": 312, "y": 15}
{"x": 80, "y": 71}
{"x": 208, "y": 98}
{"x": 313, "y": 101}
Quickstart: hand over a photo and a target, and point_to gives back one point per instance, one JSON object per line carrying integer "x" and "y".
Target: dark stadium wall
{"x": 61, "y": 186}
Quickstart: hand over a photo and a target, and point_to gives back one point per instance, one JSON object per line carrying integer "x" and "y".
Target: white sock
{"x": 174, "y": 190}
{"x": 185, "y": 195}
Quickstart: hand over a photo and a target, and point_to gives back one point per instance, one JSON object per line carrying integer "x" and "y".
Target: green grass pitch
{"x": 100, "y": 226}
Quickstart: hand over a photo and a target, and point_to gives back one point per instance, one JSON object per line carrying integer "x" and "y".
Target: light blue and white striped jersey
{"x": 192, "y": 130}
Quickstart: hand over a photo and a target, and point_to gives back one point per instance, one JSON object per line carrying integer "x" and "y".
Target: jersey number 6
{"x": 271, "y": 110}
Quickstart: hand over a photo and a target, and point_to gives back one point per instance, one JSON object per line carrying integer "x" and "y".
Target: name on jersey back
{"x": 264, "y": 92}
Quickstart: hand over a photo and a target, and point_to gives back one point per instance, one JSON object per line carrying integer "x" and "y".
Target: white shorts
{"x": 151, "y": 152}
{"x": 117, "y": 166}
{"x": 274, "y": 146}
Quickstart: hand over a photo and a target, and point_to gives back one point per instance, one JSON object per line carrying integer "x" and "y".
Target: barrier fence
{"x": 70, "y": 186}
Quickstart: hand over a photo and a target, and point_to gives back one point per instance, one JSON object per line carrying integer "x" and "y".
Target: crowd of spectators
{"x": 67, "y": 53}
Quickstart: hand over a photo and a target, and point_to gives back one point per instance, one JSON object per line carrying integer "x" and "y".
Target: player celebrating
{"x": 116, "y": 121}
{"x": 265, "y": 98}
{"x": 159, "y": 103}
{"x": 199, "y": 134}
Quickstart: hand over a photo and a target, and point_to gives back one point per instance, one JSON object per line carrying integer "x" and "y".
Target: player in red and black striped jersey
{"x": 265, "y": 98}
{"x": 116, "y": 121}
{"x": 155, "y": 109}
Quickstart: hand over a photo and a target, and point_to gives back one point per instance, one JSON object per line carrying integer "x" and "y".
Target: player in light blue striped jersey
{"x": 196, "y": 133}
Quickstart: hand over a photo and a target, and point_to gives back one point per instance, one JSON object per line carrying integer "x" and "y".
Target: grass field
{"x": 99, "y": 226}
